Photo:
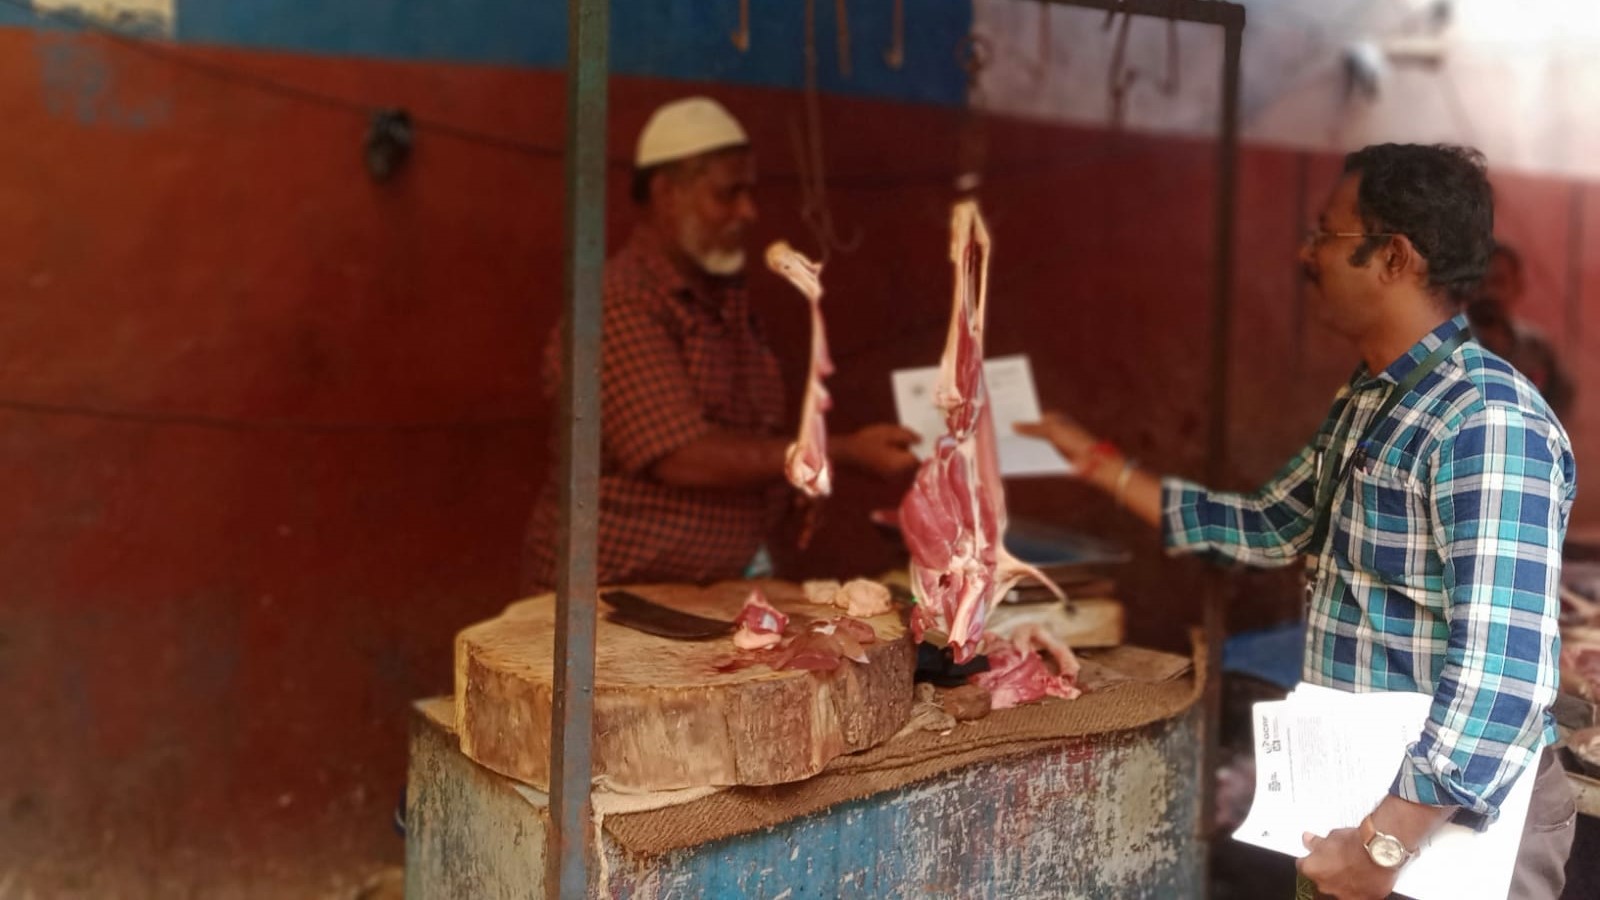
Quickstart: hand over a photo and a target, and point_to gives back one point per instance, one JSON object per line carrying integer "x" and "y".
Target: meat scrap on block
{"x": 1018, "y": 674}
{"x": 761, "y": 624}
{"x": 819, "y": 645}
{"x": 954, "y": 517}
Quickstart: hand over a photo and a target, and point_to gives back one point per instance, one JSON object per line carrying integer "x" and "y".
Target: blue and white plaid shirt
{"x": 1442, "y": 566}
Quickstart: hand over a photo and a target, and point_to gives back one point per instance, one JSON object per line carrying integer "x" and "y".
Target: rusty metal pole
{"x": 570, "y": 850}
{"x": 1215, "y": 614}
{"x": 1231, "y": 18}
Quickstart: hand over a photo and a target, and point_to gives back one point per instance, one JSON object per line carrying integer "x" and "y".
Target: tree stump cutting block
{"x": 672, "y": 714}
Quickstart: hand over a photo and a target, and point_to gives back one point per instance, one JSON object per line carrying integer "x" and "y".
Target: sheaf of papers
{"x": 1012, "y": 399}
{"x": 1325, "y": 758}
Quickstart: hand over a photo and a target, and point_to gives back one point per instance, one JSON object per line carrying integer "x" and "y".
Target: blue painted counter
{"x": 1111, "y": 815}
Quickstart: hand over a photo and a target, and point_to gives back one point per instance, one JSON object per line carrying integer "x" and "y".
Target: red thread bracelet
{"x": 1100, "y": 451}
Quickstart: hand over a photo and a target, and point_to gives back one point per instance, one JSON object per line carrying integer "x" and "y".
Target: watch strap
{"x": 1369, "y": 832}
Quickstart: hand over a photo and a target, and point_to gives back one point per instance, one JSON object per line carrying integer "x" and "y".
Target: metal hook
{"x": 973, "y": 53}
{"x": 841, "y": 13}
{"x": 1111, "y": 15}
{"x": 809, "y": 156}
{"x": 1045, "y": 51}
{"x": 1172, "y": 82}
{"x": 895, "y": 56}
{"x": 1121, "y": 75}
{"x": 741, "y": 36}
{"x": 1044, "y": 36}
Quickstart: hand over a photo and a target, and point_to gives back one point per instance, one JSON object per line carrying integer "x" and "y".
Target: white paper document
{"x": 1012, "y": 399}
{"x": 1325, "y": 758}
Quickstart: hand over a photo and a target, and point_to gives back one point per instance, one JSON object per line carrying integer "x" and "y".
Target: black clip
{"x": 388, "y": 144}
{"x": 1358, "y": 460}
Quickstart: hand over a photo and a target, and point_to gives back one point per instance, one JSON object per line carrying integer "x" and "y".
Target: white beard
{"x": 720, "y": 263}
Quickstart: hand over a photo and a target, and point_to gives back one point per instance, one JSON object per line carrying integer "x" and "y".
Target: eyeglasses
{"x": 1315, "y": 236}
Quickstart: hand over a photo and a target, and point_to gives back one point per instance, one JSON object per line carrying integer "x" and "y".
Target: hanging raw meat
{"x": 1018, "y": 674}
{"x": 954, "y": 517}
{"x": 959, "y": 393}
{"x": 806, "y": 463}
{"x": 952, "y": 561}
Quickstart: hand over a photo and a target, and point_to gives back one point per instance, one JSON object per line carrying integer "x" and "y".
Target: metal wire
{"x": 809, "y": 157}
{"x": 841, "y": 15}
{"x": 170, "y": 56}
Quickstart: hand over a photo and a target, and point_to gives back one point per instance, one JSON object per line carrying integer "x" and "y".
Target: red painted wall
{"x": 271, "y": 431}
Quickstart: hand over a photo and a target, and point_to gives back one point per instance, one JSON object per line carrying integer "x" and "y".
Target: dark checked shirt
{"x": 677, "y": 362}
{"x": 1443, "y": 561}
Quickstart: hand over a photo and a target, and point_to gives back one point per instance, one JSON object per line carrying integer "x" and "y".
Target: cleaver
{"x": 643, "y": 614}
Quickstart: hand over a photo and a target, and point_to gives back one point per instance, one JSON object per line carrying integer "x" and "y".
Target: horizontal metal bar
{"x": 1205, "y": 12}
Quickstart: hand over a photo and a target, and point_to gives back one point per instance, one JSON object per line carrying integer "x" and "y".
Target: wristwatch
{"x": 1385, "y": 849}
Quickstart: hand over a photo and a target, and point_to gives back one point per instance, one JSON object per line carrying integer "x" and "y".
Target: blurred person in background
{"x": 1512, "y": 339}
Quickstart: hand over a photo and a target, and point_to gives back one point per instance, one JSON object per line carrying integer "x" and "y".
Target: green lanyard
{"x": 1330, "y": 476}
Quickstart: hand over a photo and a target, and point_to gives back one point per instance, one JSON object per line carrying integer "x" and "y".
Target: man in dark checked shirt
{"x": 693, "y": 431}
{"x": 1430, "y": 508}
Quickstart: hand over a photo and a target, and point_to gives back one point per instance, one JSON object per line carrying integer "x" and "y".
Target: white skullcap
{"x": 685, "y": 128}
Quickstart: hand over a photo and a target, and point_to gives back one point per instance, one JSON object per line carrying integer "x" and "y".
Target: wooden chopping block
{"x": 1091, "y": 620}
{"x": 665, "y": 717}
{"x": 1083, "y": 624}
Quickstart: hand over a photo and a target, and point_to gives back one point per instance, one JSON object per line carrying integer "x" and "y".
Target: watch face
{"x": 1386, "y": 851}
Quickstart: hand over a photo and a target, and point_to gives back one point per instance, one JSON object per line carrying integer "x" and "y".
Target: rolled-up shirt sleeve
{"x": 1268, "y": 528}
{"x": 1499, "y": 503}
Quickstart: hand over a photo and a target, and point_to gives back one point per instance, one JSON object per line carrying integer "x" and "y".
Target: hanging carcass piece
{"x": 806, "y": 463}
{"x": 986, "y": 453}
{"x": 952, "y": 563}
{"x": 959, "y": 393}
{"x": 954, "y": 518}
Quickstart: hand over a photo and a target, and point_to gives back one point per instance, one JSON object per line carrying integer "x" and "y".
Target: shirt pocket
{"x": 1390, "y": 530}
{"x": 709, "y": 359}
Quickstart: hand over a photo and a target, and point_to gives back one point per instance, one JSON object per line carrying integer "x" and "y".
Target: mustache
{"x": 1311, "y": 273}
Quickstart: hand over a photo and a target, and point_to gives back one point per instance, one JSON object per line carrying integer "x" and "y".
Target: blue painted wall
{"x": 684, "y": 39}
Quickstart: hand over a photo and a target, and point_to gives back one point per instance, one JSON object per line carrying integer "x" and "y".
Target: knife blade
{"x": 643, "y": 614}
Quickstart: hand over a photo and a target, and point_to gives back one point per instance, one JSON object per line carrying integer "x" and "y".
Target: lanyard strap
{"x": 1330, "y": 476}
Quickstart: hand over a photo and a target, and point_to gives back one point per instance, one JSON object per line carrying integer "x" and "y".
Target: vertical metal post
{"x": 1231, "y": 17}
{"x": 1214, "y": 617}
{"x": 1222, "y": 252}
{"x": 1296, "y": 276}
{"x": 1575, "y": 242}
{"x": 569, "y": 851}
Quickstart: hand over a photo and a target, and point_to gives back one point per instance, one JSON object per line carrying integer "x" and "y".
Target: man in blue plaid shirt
{"x": 1430, "y": 508}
